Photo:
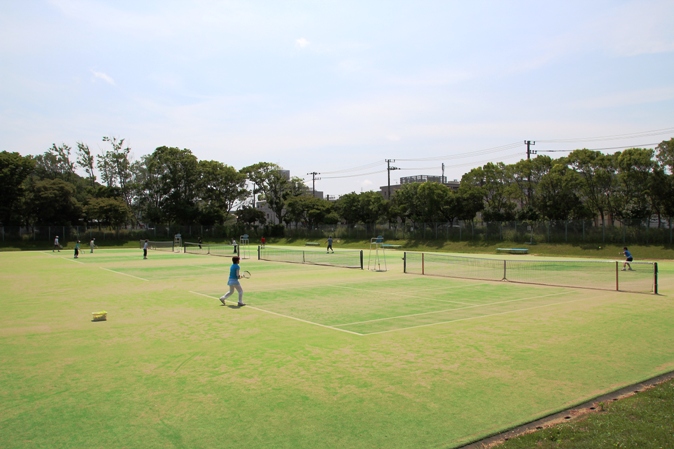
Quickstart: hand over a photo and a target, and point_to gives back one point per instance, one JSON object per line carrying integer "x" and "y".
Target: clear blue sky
{"x": 331, "y": 85}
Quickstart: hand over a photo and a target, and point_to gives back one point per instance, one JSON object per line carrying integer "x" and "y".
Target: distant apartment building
{"x": 384, "y": 190}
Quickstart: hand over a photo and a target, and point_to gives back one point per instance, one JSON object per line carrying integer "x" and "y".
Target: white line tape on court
{"x": 287, "y": 316}
{"x": 123, "y": 274}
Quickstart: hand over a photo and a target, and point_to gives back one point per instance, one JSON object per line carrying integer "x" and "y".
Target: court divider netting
{"x": 589, "y": 274}
{"x": 168, "y": 245}
{"x": 343, "y": 258}
{"x": 223, "y": 250}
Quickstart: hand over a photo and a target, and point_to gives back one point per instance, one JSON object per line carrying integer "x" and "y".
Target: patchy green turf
{"x": 640, "y": 421}
{"x": 322, "y": 357}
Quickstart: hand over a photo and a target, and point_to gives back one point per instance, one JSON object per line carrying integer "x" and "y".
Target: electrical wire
{"x": 641, "y": 145}
{"x": 654, "y": 132}
{"x": 483, "y": 152}
{"x": 353, "y": 176}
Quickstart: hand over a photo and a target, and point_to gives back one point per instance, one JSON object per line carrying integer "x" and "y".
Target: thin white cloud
{"x": 301, "y": 43}
{"x": 103, "y": 76}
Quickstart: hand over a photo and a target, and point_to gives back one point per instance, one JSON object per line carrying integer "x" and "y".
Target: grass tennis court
{"x": 320, "y": 357}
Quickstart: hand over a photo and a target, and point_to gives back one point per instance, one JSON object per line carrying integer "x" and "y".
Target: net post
{"x": 617, "y": 273}
{"x": 422, "y": 264}
{"x": 405, "y": 262}
{"x": 361, "y": 259}
{"x": 258, "y": 252}
{"x": 304, "y": 260}
{"x": 504, "y": 270}
{"x": 655, "y": 278}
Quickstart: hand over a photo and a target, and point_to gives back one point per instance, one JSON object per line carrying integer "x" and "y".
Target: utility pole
{"x": 313, "y": 182}
{"x": 388, "y": 169}
{"x": 442, "y": 180}
{"x": 529, "y": 151}
{"x": 528, "y": 143}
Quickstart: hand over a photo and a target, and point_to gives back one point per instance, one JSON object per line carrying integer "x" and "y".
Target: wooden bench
{"x": 388, "y": 245}
{"x": 513, "y": 250}
{"x": 312, "y": 244}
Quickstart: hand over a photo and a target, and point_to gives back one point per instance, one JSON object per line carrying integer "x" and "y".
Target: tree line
{"x": 172, "y": 186}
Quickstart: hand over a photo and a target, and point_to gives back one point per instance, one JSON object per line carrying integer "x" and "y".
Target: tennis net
{"x": 158, "y": 245}
{"x": 223, "y": 250}
{"x": 343, "y": 258}
{"x": 603, "y": 275}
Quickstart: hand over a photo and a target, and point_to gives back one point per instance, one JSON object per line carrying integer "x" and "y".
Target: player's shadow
{"x": 233, "y": 306}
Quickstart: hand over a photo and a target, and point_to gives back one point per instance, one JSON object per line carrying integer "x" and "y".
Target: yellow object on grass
{"x": 99, "y": 316}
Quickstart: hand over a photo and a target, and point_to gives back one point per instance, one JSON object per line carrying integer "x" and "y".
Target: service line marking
{"x": 288, "y": 316}
{"x": 123, "y": 274}
{"x": 475, "y": 317}
{"x": 451, "y": 310}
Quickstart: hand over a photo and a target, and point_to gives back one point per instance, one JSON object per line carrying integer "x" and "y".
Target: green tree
{"x": 108, "y": 211}
{"x": 55, "y": 163}
{"x": 434, "y": 202}
{"x": 115, "y": 167}
{"x": 171, "y": 185}
{"x": 405, "y": 202}
{"x": 308, "y": 210}
{"x": 492, "y": 181}
{"x": 53, "y": 202}
{"x": 86, "y": 160}
{"x": 598, "y": 180}
{"x": 557, "y": 193}
{"x": 275, "y": 185}
{"x": 220, "y": 187}
{"x": 635, "y": 169}
{"x": 665, "y": 154}
{"x": 14, "y": 170}
{"x": 249, "y": 216}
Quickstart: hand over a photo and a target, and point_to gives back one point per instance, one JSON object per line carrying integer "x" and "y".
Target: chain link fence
{"x": 577, "y": 232}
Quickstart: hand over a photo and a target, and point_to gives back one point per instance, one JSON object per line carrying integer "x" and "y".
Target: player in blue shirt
{"x": 628, "y": 258}
{"x": 330, "y": 245}
{"x": 233, "y": 282}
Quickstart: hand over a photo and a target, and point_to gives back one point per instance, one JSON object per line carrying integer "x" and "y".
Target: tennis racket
{"x": 245, "y": 274}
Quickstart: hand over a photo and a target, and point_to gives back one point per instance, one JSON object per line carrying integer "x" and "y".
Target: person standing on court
{"x": 57, "y": 246}
{"x": 330, "y": 245}
{"x": 92, "y": 245}
{"x": 262, "y": 241}
{"x": 77, "y": 249}
{"x": 628, "y": 258}
{"x": 199, "y": 242}
{"x": 145, "y": 249}
{"x": 233, "y": 282}
{"x": 235, "y": 245}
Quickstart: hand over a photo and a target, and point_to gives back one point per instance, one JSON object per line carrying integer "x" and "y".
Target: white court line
{"x": 64, "y": 258}
{"x": 474, "y": 317}
{"x": 287, "y": 316}
{"x": 123, "y": 274}
{"x": 407, "y": 295}
{"x": 451, "y": 310}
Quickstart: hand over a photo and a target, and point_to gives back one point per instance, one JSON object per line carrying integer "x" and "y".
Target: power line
{"x": 361, "y": 167}
{"x": 354, "y": 176}
{"x": 601, "y": 149}
{"x": 654, "y": 132}
{"x": 466, "y": 154}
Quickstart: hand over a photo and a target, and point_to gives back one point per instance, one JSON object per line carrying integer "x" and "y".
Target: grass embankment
{"x": 640, "y": 421}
